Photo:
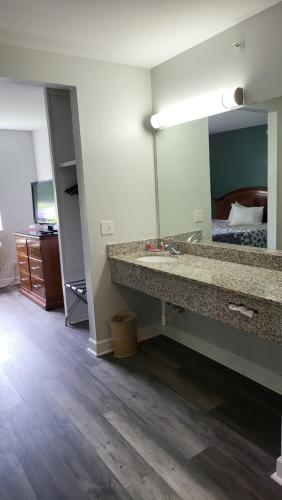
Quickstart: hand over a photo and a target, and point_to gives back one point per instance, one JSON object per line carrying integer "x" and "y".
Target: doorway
{"x": 54, "y": 156}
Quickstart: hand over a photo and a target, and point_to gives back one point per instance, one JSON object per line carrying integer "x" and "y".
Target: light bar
{"x": 199, "y": 107}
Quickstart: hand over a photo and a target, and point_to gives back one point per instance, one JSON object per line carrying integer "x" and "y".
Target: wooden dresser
{"x": 39, "y": 267}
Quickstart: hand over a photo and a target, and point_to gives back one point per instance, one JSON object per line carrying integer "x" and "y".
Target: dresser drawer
{"x": 25, "y": 279}
{"x": 38, "y": 286}
{"x": 23, "y": 263}
{"x": 21, "y": 246}
{"x": 33, "y": 248}
{"x": 36, "y": 267}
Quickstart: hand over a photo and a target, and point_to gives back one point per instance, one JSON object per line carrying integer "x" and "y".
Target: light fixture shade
{"x": 199, "y": 107}
{"x": 233, "y": 98}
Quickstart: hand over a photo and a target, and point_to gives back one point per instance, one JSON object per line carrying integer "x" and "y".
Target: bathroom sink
{"x": 157, "y": 259}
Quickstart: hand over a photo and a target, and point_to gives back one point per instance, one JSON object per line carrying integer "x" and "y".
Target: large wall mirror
{"x": 219, "y": 177}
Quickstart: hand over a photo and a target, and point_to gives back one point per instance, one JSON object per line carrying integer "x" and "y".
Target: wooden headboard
{"x": 249, "y": 197}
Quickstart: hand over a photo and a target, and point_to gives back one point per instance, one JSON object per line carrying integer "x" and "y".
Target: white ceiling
{"x": 137, "y": 32}
{"x": 22, "y": 107}
{"x": 239, "y": 118}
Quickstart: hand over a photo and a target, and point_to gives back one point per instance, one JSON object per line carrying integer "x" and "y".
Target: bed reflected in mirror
{"x": 239, "y": 177}
{"x": 217, "y": 177}
{"x": 241, "y": 217}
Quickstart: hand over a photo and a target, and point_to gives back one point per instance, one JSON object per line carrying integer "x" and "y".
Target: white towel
{"x": 242, "y": 309}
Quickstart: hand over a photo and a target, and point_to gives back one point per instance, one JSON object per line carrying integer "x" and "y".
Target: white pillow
{"x": 236, "y": 204}
{"x": 245, "y": 216}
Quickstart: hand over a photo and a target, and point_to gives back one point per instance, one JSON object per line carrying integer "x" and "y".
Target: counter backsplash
{"x": 249, "y": 256}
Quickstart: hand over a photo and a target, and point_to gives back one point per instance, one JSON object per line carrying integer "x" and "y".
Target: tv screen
{"x": 44, "y": 209}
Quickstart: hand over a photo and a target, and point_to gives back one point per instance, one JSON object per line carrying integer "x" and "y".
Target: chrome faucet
{"x": 172, "y": 250}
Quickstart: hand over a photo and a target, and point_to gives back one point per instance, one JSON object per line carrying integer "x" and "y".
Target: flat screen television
{"x": 44, "y": 209}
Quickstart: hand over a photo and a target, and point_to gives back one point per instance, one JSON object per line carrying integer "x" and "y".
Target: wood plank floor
{"x": 164, "y": 424}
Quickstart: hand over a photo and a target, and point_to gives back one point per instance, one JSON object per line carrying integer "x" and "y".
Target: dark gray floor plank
{"x": 164, "y": 424}
{"x": 123, "y": 461}
{"x": 14, "y": 483}
{"x": 176, "y": 474}
{"x": 146, "y": 402}
{"x": 47, "y": 474}
{"x": 253, "y": 422}
{"x": 232, "y": 479}
{"x": 168, "y": 413}
{"x": 200, "y": 396}
{"x": 230, "y": 382}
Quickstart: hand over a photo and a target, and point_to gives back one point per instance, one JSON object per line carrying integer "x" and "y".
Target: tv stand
{"x": 39, "y": 267}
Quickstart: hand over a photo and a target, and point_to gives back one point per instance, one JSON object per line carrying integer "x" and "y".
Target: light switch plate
{"x": 107, "y": 227}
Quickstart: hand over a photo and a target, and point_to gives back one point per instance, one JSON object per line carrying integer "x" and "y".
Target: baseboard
{"x": 277, "y": 476}
{"x": 102, "y": 347}
{"x": 148, "y": 332}
{"x": 247, "y": 368}
{"x": 10, "y": 280}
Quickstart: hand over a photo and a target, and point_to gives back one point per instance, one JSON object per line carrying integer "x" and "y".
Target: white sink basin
{"x": 157, "y": 259}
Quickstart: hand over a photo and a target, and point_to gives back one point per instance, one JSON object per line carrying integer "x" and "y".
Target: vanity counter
{"x": 249, "y": 280}
{"x": 209, "y": 287}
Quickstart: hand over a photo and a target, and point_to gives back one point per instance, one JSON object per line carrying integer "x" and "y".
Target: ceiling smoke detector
{"x": 238, "y": 45}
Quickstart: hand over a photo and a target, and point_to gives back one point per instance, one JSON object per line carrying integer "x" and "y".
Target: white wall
{"x": 210, "y": 66}
{"x": 118, "y": 166}
{"x": 213, "y": 64}
{"x": 17, "y": 171}
{"x": 117, "y": 155}
{"x": 42, "y": 153}
{"x": 184, "y": 178}
{"x": 22, "y": 106}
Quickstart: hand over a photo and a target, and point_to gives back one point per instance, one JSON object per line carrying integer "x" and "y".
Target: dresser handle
{"x": 24, "y": 279}
{"x": 23, "y": 262}
{"x": 35, "y": 267}
{"x": 242, "y": 309}
{"x": 37, "y": 286}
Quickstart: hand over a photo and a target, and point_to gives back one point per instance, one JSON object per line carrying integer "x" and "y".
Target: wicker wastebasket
{"x": 124, "y": 334}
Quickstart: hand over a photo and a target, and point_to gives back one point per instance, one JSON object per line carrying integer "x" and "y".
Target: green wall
{"x": 238, "y": 158}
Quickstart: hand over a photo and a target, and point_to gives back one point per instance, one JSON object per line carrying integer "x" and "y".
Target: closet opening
{"x": 44, "y": 262}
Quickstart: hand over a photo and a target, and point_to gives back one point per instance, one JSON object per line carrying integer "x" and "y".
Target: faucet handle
{"x": 173, "y": 249}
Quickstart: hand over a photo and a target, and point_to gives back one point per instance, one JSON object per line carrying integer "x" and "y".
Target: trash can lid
{"x": 123, "y": 317}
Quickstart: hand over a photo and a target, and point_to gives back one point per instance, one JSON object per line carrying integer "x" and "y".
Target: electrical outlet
{"x": 198, "y": 215}
{"x": 107, "y": 227}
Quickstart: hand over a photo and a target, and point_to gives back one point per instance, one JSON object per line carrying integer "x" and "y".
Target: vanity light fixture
{"x": 199, "y": 107}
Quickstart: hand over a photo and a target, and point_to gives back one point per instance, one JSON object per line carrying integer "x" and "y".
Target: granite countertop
{"x": 244, "y": 279}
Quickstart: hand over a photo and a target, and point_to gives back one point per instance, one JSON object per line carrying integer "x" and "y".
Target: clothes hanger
{"x": 72, "y": 190}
